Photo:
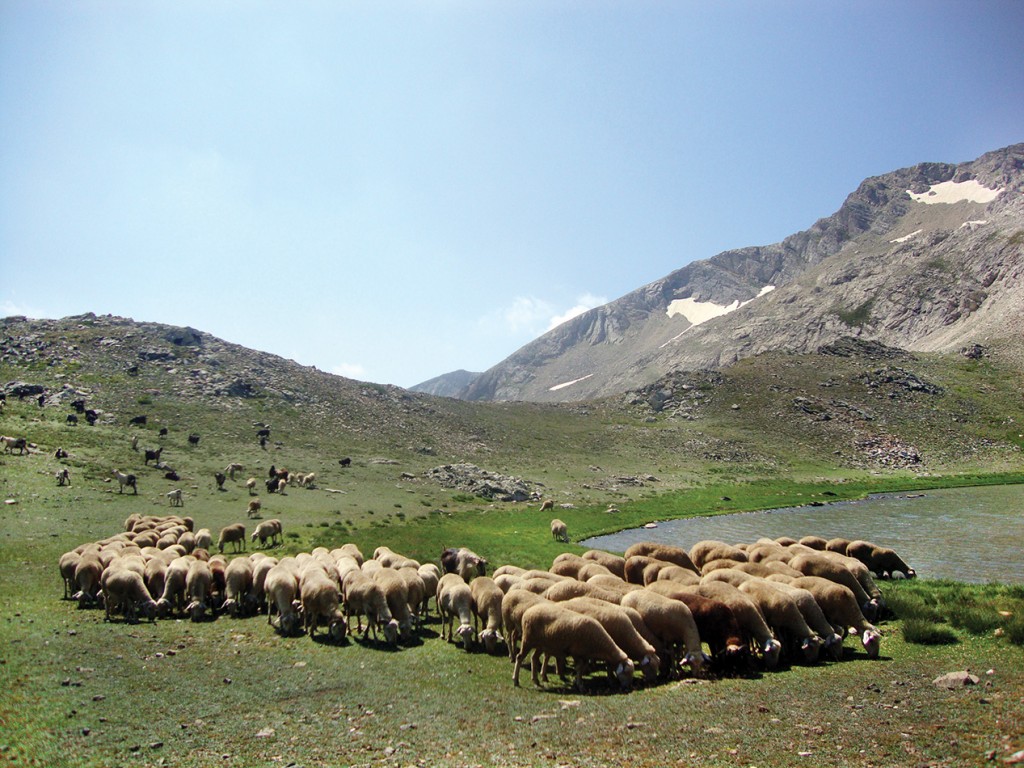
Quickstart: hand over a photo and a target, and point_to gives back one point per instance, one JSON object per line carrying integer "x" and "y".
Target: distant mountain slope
{"x": 926, "y": 258}
{"x": 447, "y": 384}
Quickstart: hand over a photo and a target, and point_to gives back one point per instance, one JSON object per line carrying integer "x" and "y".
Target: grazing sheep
{"x": 548, "y": 504}
{"x": 487, "y": 599}
{"x": 238, "y": 598}
{"x": 87, "y": 579}
{"x": 784, "y": 617}
{"x": 819, "y": 564}
{"x": 672, "y": 623}
{"x": 565, "y": 564}
{"x": 268, "y": 529}
{"x": 250, "y": 485}
{"x": 203, "y": 538}
{"x": 63, "y": 476}
{"x": 430, "y": 575}
{"x": 623, "y": 629}
{"x": 813, "y": 615}
{"x": 232, "y": 534}
{"x": 396, "y": 592}
{"x": 124, "y": 479}
{"x": 320, "y": 598}
{"x": 309, "y": 481}
{"x": 71, "y": 419}
{"x": 754, "y": 628}
{"x": 261, "y": 565}
{"x": 233, "y": 467}
{"x": 364, "y": 597}
{"x": 814, "y": 542}
{"x": 282, "y": 590}
{"x": 678, "y": 575}
{"x": 198, "y": 589}
{"x": 175, "y": 498}
{"x": 67, "y": 564}
{"x": 454, "y": 598}
{"x": 709, "y": 549}
{"x": 839, "y": 605}
{"x": 464, "y": 562}
{"x": 837, "y": 544}
{"x": 138, "y": 421}
{"x": 345, "y": 462}
{"x": 282, "y": 484}
{"x": 613, "y": 563}
{"x": 155, "y": 576}
{"x": 513, "y": 606}
{"x": 173, "y": 596}
{"x": 551, "y": 629}
{"x": 570, "y": 588}
{"x": 716, "y": 623}
{"x": 253, "y": 508}
{"x": 124, "y": 590}
{"x": 665, "y": 552}
{"x": 882, "y": 561}
{"x": 559, "y": 530}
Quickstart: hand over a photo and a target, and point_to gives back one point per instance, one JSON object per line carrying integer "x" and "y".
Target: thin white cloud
{"x": 350, "y": 371}
{"x": 584, "y": 303}
{"x": 9, "y": 309}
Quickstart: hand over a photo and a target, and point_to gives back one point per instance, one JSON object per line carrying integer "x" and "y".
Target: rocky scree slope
{"x": 926, "y": 258}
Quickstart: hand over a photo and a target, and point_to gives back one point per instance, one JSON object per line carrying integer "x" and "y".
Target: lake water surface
{"x": 967, "y": 534}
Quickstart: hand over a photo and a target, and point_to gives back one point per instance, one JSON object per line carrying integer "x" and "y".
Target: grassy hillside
{"x": 75, "y": 690}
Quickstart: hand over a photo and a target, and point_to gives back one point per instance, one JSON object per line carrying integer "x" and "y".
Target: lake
{"x": 967, "y": 534}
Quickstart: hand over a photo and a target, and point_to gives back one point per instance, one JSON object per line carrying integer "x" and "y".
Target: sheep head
{"x": 772, "y": 650}
{"x": 872, "y": 640}
{"x": 490, "y": 638}
{"x": 811, "y": 648}
{"x": 289, "y": 623}
{"x": 650, "y": 666}
{"x": 624, "y": 673}
{"x": 337, "y": 630}
{"x": 834, "y": 646}
{"x": 465, "y": 633}
{"x": 391, "y": 632}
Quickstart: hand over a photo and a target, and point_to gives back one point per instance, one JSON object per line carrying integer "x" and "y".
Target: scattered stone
{"x": 954, "y": 680}
{"x": 265, "y": 733}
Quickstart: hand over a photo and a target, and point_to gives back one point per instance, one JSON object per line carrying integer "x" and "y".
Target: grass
{"x": 78, "y": 691}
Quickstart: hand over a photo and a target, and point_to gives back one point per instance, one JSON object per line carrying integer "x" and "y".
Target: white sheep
{"x": 175, "y": 498}
{"x": 558, "y": 632}
{"x": 624, "y": 630}
{"x": 282, "y": 590}
{"x": 250, "y": 486}
{"x": 67, "y": 564}
{"x": 559, "y": 530}
{"x": 364, "y": 597}
{"x": 320, "y": 598}
{"x": 396, "y": 592}
{"x": 672, "y": 623}
{"x": 204, "y": 538}
{"x": 125, "y": 590}
{"x": 238, "y": 598}
{"x": 454, "y": 599}
{"x": 268, "y": 529}
{"x": 173, "y": 596}
{"x": 614, "y": 563}
{"x": 233, "y": 467}
{"x": 232, "y": 534}
{"x": 487, "y": 598}
{"x": 431, "y": 575}
{"x": 198, "y": 589}
{"x": 784, "y": 617}
{"x": 839, "y": 605}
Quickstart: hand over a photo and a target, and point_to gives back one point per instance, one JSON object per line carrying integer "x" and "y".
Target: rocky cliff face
{"x": 447, "y": 385}
{"x": 927, "y": 258}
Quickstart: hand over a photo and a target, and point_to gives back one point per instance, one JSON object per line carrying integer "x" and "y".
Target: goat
{"x": 152, "y": 455}
{"x": 125, "y": 479}
{"x": 193, "y": 439}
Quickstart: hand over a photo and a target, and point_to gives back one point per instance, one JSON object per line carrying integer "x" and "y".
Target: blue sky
{"x": 395, "y": 190}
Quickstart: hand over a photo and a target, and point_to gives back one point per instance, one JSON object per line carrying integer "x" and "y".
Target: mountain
{"x": 927, "y": 258}
{"x": 447, "y": 384}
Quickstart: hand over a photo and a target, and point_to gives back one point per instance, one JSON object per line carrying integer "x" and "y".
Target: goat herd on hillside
{"x": 659, "y": 610}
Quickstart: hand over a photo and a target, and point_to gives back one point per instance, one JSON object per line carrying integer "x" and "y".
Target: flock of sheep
{"x": 657, "y": 610}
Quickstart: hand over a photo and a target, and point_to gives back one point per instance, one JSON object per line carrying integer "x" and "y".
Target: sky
{"x": 391, "y": 191}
